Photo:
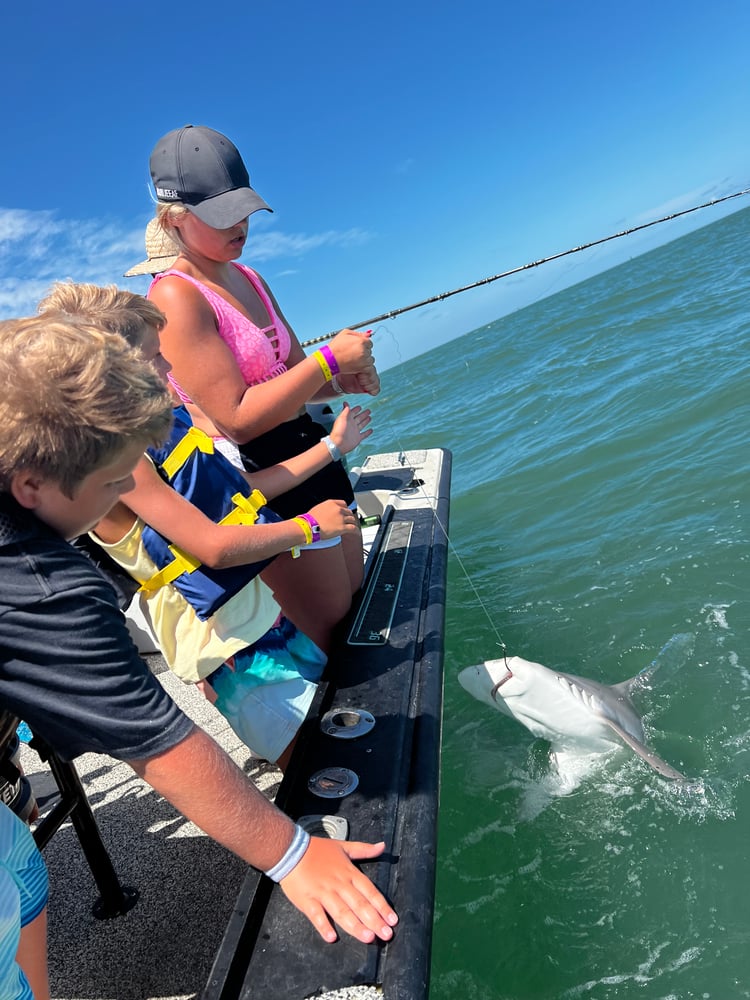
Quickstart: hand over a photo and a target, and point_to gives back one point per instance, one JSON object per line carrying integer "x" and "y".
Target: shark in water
{"x": 578, "y": 716}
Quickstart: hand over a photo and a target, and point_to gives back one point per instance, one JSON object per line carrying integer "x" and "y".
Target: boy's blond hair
{"x": 108, "y": 307}
{"x": 72, "y": 396}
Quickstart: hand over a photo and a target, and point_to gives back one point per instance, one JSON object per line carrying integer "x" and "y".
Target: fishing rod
{"x": 525, "y": 267}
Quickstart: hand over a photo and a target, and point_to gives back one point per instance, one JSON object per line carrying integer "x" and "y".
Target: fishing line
{"x": 526, "y": 267}
{"x": 485, "y": 281}
{"x": 419, "y": 484}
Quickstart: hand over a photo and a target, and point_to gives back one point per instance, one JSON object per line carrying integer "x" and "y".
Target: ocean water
{"x": 600, "y": 513}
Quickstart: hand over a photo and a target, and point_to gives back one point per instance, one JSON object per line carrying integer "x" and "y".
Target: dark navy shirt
{"x": 68, "y": 666}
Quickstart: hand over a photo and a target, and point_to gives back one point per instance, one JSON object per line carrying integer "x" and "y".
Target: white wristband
{"x": 332, "y": 448}
{"x": 334, "y": 384}
{"x": 294, "y": 854}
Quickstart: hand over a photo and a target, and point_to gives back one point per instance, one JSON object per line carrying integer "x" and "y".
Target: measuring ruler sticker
{"x": 372, "y": 625}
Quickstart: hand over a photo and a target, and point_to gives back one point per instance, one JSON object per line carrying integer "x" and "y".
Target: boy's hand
{"x": 334, "y": 518}
{"x": 326, "y": 886}
{"x": 350, "y": 428}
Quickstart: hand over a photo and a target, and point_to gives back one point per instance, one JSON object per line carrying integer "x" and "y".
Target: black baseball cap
{"x": 203, "y": 169}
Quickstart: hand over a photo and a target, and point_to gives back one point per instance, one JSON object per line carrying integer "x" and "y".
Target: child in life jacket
{"x": 196, "y": 533}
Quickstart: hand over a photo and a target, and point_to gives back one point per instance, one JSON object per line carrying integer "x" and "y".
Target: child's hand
{"x": 326, "y": 886}
{"x": 334, "y": 518}
{"x": 350, "y": 428}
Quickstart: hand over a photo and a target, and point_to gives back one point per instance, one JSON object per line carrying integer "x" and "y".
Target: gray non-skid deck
{"x": 163, "y": 948}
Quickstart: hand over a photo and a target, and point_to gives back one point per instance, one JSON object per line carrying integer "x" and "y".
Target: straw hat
{"x": 161, "y": 252}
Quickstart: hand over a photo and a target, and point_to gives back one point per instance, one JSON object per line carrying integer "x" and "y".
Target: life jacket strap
{"x": 193, "y": 440}
{"x": 182, "y": 562}
{"x": 245, "y": 510}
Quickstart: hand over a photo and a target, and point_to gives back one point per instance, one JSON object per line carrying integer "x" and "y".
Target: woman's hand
{"x": 366, "y": 381}
{"x": 334, "y": 518}
{"x": 350, "y": 428}
{"x": 353, "y": 351}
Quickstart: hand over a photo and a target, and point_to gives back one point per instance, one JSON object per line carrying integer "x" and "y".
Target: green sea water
{"x": 600, "y": 512}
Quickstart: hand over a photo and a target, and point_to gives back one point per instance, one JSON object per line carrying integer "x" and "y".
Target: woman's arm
{"x": 206, "y": 368}
{"x": 366, "y": 381}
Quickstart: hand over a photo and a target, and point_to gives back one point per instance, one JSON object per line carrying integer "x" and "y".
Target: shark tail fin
{"x": 670, "y": 658}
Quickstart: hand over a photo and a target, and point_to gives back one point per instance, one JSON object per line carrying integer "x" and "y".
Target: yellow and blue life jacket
{"x": 192, "y": 467}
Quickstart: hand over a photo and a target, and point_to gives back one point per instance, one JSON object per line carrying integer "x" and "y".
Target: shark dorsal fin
{"x": 625, "y": 688}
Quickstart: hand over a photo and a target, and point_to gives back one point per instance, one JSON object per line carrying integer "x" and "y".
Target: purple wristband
{"x": 315, "y": 527}
{"x": 330, "y": 357}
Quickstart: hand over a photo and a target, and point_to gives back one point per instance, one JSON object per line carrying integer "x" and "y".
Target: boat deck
{"x": 179, "y": 940}
{"x": 164, "y": 947}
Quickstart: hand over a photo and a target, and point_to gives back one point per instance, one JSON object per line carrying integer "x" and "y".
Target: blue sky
{"x": 407, "y": 148}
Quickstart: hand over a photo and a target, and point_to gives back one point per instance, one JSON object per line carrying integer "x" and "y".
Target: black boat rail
{"x": 387, "y": 664}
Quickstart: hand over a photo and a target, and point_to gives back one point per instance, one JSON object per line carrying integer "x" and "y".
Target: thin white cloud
{"x": 38, "y": 248}
{"x": 266, "y": 246}
{"x": 16, "y": 223}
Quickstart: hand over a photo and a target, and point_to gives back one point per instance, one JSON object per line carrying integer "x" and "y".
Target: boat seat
{"x": 71, "y": 803}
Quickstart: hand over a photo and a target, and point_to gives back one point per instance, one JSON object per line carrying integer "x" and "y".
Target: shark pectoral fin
{"x": 666, "y": 770}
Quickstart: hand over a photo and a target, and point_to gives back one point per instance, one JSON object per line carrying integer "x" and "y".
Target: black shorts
{"x": 285, "y": 441}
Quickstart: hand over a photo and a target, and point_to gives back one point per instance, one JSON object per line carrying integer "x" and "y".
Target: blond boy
{"x": 77, "y": 408}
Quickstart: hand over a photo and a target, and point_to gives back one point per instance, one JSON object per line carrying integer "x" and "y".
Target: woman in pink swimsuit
{"x": 237, "y": 364}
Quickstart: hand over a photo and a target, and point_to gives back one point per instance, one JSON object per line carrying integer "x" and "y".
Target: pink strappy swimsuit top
{"x": 260, "y": 352}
